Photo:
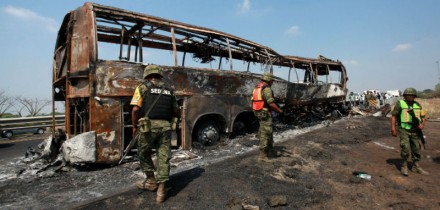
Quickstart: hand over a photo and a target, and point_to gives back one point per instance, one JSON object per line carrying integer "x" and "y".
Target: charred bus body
{"x": 215, "y": 101}
{"x": 318, "y": 90}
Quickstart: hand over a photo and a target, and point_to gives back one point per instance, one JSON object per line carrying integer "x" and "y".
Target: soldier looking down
{"x": 154, "y": 107}
{"x": 263, "y": 105}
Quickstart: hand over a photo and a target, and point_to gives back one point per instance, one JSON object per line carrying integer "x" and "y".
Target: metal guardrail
{"x": 30, "y": 122}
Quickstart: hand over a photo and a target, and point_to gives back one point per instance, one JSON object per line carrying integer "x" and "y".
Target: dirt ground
{"x": 313, "y": 170}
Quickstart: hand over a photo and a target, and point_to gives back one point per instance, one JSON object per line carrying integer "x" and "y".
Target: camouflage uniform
{"x": 159, "y": 138}
{"x": 265, "y": 132}
{"x": 409, "y": 140}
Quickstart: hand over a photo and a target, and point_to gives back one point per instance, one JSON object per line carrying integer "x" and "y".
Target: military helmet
{"x": 267, "y": 76}
{"x": 410, "y": 91}
{"x": 152, "y": 69}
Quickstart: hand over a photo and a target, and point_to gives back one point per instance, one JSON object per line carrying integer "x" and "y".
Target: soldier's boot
{"x": 404, "y": 168}
{"x": 161, "y": 193}
{"x": 148, "y": 184}
{"x": 417, "y": 169}
{"x": 262, "y": 157}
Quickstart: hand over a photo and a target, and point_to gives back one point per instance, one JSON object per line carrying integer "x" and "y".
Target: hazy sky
{"x": 384, "y": 44}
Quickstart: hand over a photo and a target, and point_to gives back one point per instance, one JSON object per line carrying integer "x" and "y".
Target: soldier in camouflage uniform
{"x": 410, "y": 138}
{"x": 158, "y": 128}
{"x": 263, "y": 105}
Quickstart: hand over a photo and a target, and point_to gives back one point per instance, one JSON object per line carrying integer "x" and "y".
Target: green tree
{"x": 427, "y": 93}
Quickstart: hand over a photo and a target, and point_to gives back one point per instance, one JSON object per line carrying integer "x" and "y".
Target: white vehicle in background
{"x": 393, "y": 93}
{"x": 392, "y": 96}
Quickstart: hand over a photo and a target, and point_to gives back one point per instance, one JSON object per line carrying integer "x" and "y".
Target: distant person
{"x": 154, "y": 106}
{"x": 363, "y": 99}
{"x": 387, "y": 98}
{"x": 351, "y": 98}
{"x": 263, "y": 105}
{"x": 371, "y": 101}
{"x": 367, "y": 99}
{"x": 378, "y": 99}
{"x": 403, "y": 116}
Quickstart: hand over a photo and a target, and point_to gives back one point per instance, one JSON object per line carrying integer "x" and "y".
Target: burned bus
{"x": 316, "y": 89}
{"x": 100, "y": 54}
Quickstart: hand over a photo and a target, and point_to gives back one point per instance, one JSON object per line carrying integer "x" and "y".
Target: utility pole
{"x": 438, "y": 69}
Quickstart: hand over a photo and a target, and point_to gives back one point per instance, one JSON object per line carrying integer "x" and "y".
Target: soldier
{"x": 263, "y": 105}
{"x": 154, "y": 106}
{"x": 404, "y": 111}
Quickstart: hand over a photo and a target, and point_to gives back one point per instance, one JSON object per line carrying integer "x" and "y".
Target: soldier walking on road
{"x": 154, "y": 106}
{"x": 410, "y": 138}
{"x": 263, "y": 105}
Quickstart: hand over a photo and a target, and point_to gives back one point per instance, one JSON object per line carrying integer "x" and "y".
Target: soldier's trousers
{"x": 161, "y": 141}
{"x": 409, "y": 144}
{"x": 265, "y": 132}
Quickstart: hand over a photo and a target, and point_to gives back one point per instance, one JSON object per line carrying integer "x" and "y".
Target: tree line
{"x": 429, "y": 93}
{"x": 21, "y": 106}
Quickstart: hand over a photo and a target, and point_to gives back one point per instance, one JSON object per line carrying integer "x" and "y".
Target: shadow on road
{"x": 396, "y": 162}
{"x": 436, "y": 160}
{"x": 281, "y": 151}
{"x": 180, "y": 180}
{"x": 6, "y": 145}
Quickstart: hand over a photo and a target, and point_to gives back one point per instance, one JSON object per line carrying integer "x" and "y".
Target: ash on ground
{"x": 314, "y": 169}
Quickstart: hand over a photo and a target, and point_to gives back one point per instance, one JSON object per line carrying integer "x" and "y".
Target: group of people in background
{"x": 369, "y": 99}
{"x": 372, "y": 99}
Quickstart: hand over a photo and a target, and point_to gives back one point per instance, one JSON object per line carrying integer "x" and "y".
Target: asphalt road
{"x": 12, "y": 149}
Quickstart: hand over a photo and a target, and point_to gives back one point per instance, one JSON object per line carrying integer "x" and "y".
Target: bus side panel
{"x": 239, "y": 104}
{"x": 335, "y": 90}
{"x": 226, "y": 107}
{"x": 191, "y": 81}
{"x": 83, "y": 47}
{"x": 78, "y": 88}
{"x": 117, "y": 78}
{"x": 197, "y": 106}
{"x": 107, "y": 124}
{"x": 302, "y": 93}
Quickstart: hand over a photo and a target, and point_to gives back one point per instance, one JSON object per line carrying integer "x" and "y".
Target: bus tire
{"x": 40, "y": 131}
{"x": 208, "y": 133}
{"x": 239, "y": 128}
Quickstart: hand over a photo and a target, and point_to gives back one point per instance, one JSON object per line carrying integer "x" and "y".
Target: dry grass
{"x": 431, "y": 107}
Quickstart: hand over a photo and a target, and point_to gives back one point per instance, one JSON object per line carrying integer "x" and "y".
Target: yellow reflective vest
{"x": 405, "y": 117}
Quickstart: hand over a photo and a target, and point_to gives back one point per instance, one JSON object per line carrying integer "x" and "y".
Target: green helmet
{"x": 267, "y": 76}
{"x": 152, "y": 69}
{"x": 410, "y": 91}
